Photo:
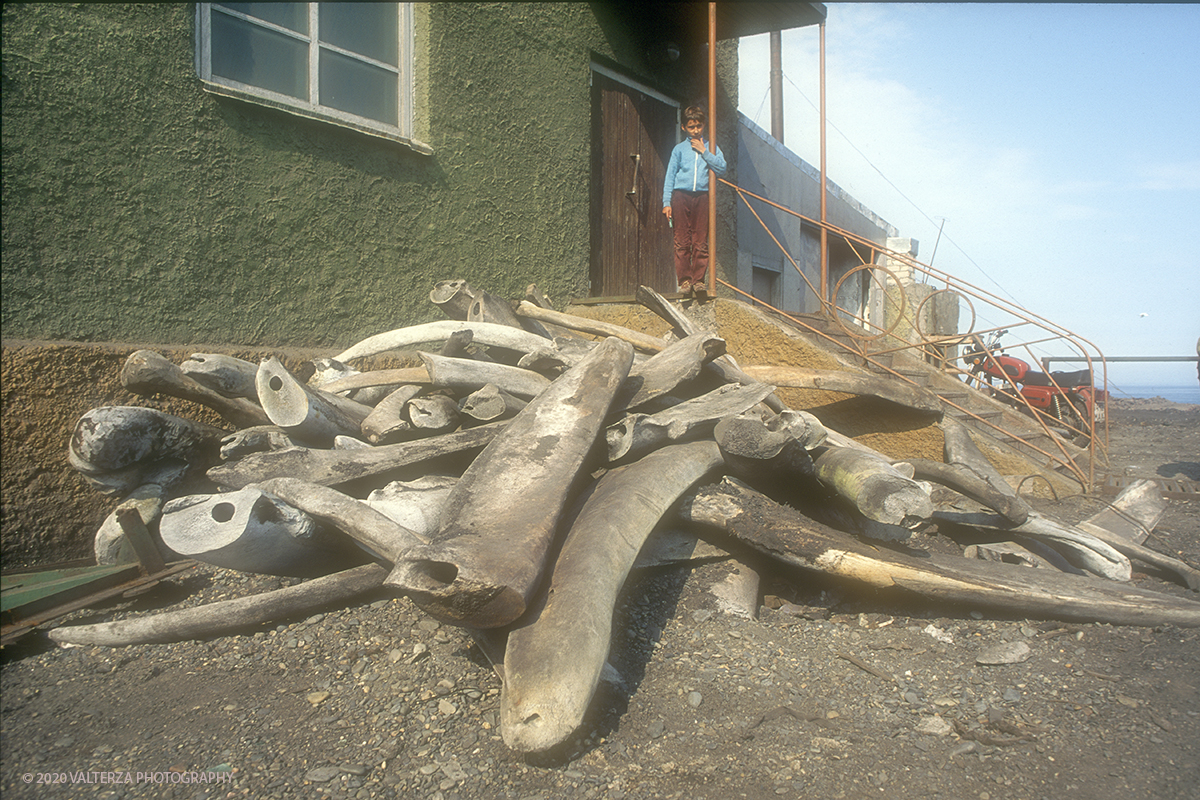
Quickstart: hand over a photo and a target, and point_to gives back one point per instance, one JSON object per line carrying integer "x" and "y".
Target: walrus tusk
{"x": 489, "y": 555}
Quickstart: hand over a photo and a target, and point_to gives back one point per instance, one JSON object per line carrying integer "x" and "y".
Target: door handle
{"x": 637, "y": 164}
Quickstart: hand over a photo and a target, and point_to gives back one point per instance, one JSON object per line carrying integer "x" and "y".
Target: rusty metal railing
{"x": 884, "y": 340}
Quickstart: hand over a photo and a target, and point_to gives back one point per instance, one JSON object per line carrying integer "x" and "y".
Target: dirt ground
{"x": 840, "y": 693}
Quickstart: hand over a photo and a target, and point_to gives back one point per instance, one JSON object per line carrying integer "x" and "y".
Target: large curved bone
{"x": 146, "y": 372}
{"x": 1081, "y": 549}
{"x": 638, "y": 433}
{"x": 968, "y": 483}
{"x": 468, "y": 374}
{"x": 251, "y": 531}
{"x": 393, "y": 378}
{"x": 118, "y": 448}
{"x": 886, "y": 388}
{"x": 879, "y": 490}
{"x": 679, "y": 362}
{"x": 639, "y": 340}
{"x": 784, "y": 534}
{"x": 232, "y": 377}
{"x": 377, "y": 532}
{"x": 483, "y": 333}
{"x": 725, "y": 366}
{"x": 337, "y": 467}
{"x": 553, "y": 662}
{"x": 304, "y": 412}
{"x": 489, "y": 554}
{"x": 225, "y": 616}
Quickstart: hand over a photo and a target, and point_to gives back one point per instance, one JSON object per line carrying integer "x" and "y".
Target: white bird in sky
{"x": 1144, "y": 314}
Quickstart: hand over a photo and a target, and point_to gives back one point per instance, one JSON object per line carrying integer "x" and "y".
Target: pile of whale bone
{"x": 508, "y": 485}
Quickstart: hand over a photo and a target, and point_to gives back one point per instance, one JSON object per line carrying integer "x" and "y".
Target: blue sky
{"x": 1060, "y": 144}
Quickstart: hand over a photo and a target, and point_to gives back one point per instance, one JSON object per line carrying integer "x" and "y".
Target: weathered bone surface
{"x": 453, "y": 297}
{"x": 328, "y": 370}
{"x": 876, "y": 488}
{"x": 490, "y": 402}
{"x": 1126, "y": 523}
{"x": 377, "y": 532}
{"x": 386, "y": 423}
{"x": 784, "y": 534}
{"x": 469, "y": 375}
{"x": 960, "y": 449}
{"x": 110, "y": 544}
{"x": 406, "y": 338}
{"x": 967, "y": 482}
{"x": 350, "y": 443}
{"x": 306, "y": 413}
{"x": 848, "y": 382}
{"x": 1132, "y": 514}
{"x": 1081, "y": 549}
{"x": 639, "y": 340}
{"x": 232, "y": 377}
{"x": 563, "y": 352}
{"x": 435, "y": 413}
{"x": 639, "y": 433}
{"x": 118, "y": 448}
{"x": 553, "y": 661}
{"x": 679, "y": 362}
{"x": 486, "y": 307}
{"x": 251, "y": 531}
{"x": 416, "y": 504}
{"x": 724, "y": 366}
{"x": 771, "y": 460}
{"x": 146, "y": 372}
{"x": 387, "y": 379}
{"x": 338, "y": 467}
{"x": 259, "y": 439}
{"x": 489, "y": 554}
{"x": 738, "y": 593}
{"x": 226, "y": 616}
{"x": 1013, "y": 553}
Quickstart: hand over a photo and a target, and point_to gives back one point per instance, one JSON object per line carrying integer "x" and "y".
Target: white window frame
{"x": 311, "y": 107}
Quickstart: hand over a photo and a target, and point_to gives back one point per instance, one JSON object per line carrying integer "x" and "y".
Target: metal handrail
{"x": 1056, "y": 332}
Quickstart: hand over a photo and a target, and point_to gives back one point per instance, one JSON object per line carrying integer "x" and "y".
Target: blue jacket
{"x": 685, "y": 170}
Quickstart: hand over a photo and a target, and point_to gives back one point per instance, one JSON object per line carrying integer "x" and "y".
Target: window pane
{"x": 350, "y": 85}
{"x": 259, "y": 57}
{"x": 293, "y": 16}
{"x": 366, "y": 28}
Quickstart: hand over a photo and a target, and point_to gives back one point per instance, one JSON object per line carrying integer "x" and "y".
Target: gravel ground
{"x": 841, "y": 693}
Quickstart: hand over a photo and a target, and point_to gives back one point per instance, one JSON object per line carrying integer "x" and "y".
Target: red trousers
{"x": 689, "y": 215}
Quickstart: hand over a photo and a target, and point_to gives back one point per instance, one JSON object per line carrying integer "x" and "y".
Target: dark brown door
{"x": 633, "y": 134}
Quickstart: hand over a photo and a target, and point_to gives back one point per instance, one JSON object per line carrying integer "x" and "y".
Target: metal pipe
{"x": 712, "y": 148}
{"x": 777, "y": 85}
{"x": 824, "y": 185}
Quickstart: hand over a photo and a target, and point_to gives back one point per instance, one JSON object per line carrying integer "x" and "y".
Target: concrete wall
{"x": 768, "y": 169}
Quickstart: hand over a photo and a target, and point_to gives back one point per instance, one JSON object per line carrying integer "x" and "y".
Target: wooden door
{"x": 633, "y": 133}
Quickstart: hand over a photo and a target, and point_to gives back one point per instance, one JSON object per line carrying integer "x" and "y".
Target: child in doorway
{"x": 685, "y": 200}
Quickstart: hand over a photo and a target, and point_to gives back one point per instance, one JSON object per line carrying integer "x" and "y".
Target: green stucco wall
{"x": 138, "y": 207}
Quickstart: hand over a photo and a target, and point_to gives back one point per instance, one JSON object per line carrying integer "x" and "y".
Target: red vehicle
{"x": 1066, "y": 396}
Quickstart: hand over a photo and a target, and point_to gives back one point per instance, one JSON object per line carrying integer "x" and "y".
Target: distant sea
{"x": 1176, "y": 394}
